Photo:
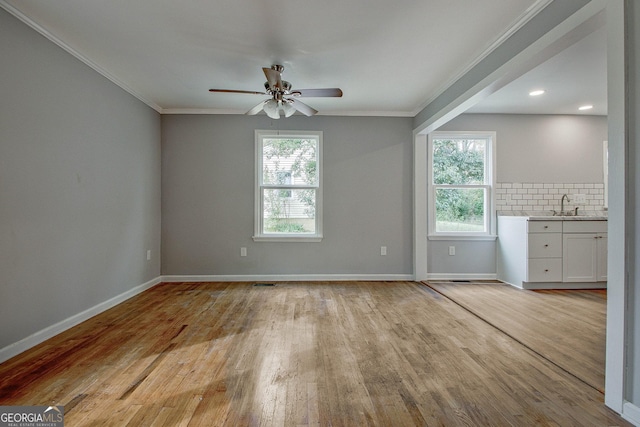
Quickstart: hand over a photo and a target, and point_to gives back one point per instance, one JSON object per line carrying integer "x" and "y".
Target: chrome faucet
{"x": 564, "y": 196}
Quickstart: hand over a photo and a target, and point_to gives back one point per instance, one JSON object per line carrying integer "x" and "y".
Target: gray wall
{"x": 473, "y": 259}
{"x": 542, "y": 148}
{"x": 79, "y": 185}
{"x": 208, "y": 197}
{"x": 530, "y": 148}
{"x": 633, "y": 28}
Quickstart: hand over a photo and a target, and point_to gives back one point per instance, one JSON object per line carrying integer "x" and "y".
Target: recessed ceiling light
{"x": 536, "y": 92}
{"x": 585, "y": 107}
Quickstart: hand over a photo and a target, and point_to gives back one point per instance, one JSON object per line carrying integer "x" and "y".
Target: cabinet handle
{"x": 546, "y": 246}
{"x": 546, "y": 226}
{"x": 546, "y": 271}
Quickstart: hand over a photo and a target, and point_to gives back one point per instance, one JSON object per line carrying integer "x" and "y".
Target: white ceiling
{"x": 389, "y": 58}
{"x": 575, "y": 77}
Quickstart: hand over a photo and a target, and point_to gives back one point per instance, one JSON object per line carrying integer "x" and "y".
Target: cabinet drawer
{"x": 545, "y": 270}
{"x": 585, "y": 226}
{"x": 545, "y": 245}
{"x": 544, "y": 226}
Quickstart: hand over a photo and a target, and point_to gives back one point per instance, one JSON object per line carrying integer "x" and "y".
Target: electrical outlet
{"x": 243, "y": 251}
{"x": 452, "y": 250}
{"x": 148, "y": 254}
{"x": 383, "y": 250}
{"x": 580, "y": 198}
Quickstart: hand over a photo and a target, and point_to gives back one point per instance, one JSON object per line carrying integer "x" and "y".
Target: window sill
{"x": 287, "y": 238}
{"x": 469, "y": 237}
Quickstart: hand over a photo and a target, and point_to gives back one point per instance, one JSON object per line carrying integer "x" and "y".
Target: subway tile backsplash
{"x": 529, "y": 196}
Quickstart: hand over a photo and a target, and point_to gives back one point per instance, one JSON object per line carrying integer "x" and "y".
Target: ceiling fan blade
{"x": 302, "y": 107}
{"x": 237, "y": 91}
{"x": 274, "y": 78}
{"x": 255, "y": 110}
{"x": 333, "y": 92}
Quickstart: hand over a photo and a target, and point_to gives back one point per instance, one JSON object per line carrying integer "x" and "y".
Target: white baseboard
{"x": 16, "y": 348}
{"x": 631, "y": 413}
{"x": 563, "y": 285}
{"x": 287, "y": 278}
{"x": 454, "y": 276}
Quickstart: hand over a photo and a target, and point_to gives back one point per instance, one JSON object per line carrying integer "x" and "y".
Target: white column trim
{"x": 420, "y": 224}
{"x": 617, "y": 292}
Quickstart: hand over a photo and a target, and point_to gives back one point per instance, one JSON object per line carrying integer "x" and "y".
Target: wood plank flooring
{"x": 297, "y": 354}
{"x": 564, "y": 326}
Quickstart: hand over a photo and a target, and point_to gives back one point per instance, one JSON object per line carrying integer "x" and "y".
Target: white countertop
{"x": 548, "y": 215}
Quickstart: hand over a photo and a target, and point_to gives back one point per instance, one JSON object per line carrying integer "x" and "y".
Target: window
{"x": 288, "y": 186}
{"x": 284, "y": 178}
{"x": 460, "y": 185}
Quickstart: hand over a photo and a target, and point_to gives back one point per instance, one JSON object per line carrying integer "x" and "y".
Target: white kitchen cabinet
{"x": 542, "y": 270}
{"x": 551, "y": 254}
{"x": 603, "y": 254}
{"x": 584, "y": 252}
{"x": 544, "y": 251}
{"x": 529, "y": 251}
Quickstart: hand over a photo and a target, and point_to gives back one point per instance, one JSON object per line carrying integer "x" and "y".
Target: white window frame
{"x": 605, "y": 170}
{"x": 259, "y": 234}
{"x": 489, "y": 186}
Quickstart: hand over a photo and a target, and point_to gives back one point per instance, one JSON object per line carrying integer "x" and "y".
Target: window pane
{"x": 459, "y": 161}
{"x": 460, "y": 209}
{"x": 289, "y": 211}
{"x": 289, "y": 161}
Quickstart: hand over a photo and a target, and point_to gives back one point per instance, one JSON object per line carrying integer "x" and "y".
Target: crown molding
{"x": 83, "y": 58}
{"x": 520, "y": 22}
{"x": 364, "y": 113}
{"x": 515, "y": 26}
{"x": 221, "y": 111}
{"x": 322, "y": 113}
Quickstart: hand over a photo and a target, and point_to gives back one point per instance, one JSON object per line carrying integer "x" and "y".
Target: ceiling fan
{"x": 283, "y": 98}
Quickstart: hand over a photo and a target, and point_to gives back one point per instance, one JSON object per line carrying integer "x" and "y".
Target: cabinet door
{"x": 602, "y": 257}
{"x": 580, "y": 261}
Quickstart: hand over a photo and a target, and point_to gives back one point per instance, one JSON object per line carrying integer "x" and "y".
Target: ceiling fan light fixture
{"x": 271, "y": 107}
{"x": 288, "y": 109}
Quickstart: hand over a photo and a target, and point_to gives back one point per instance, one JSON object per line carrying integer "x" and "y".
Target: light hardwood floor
{"x": 297, "y": 354}
{"x": 565, "y": 326}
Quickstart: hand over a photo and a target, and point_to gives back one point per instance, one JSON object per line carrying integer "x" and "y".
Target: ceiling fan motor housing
{"x": 286, "y": 88}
